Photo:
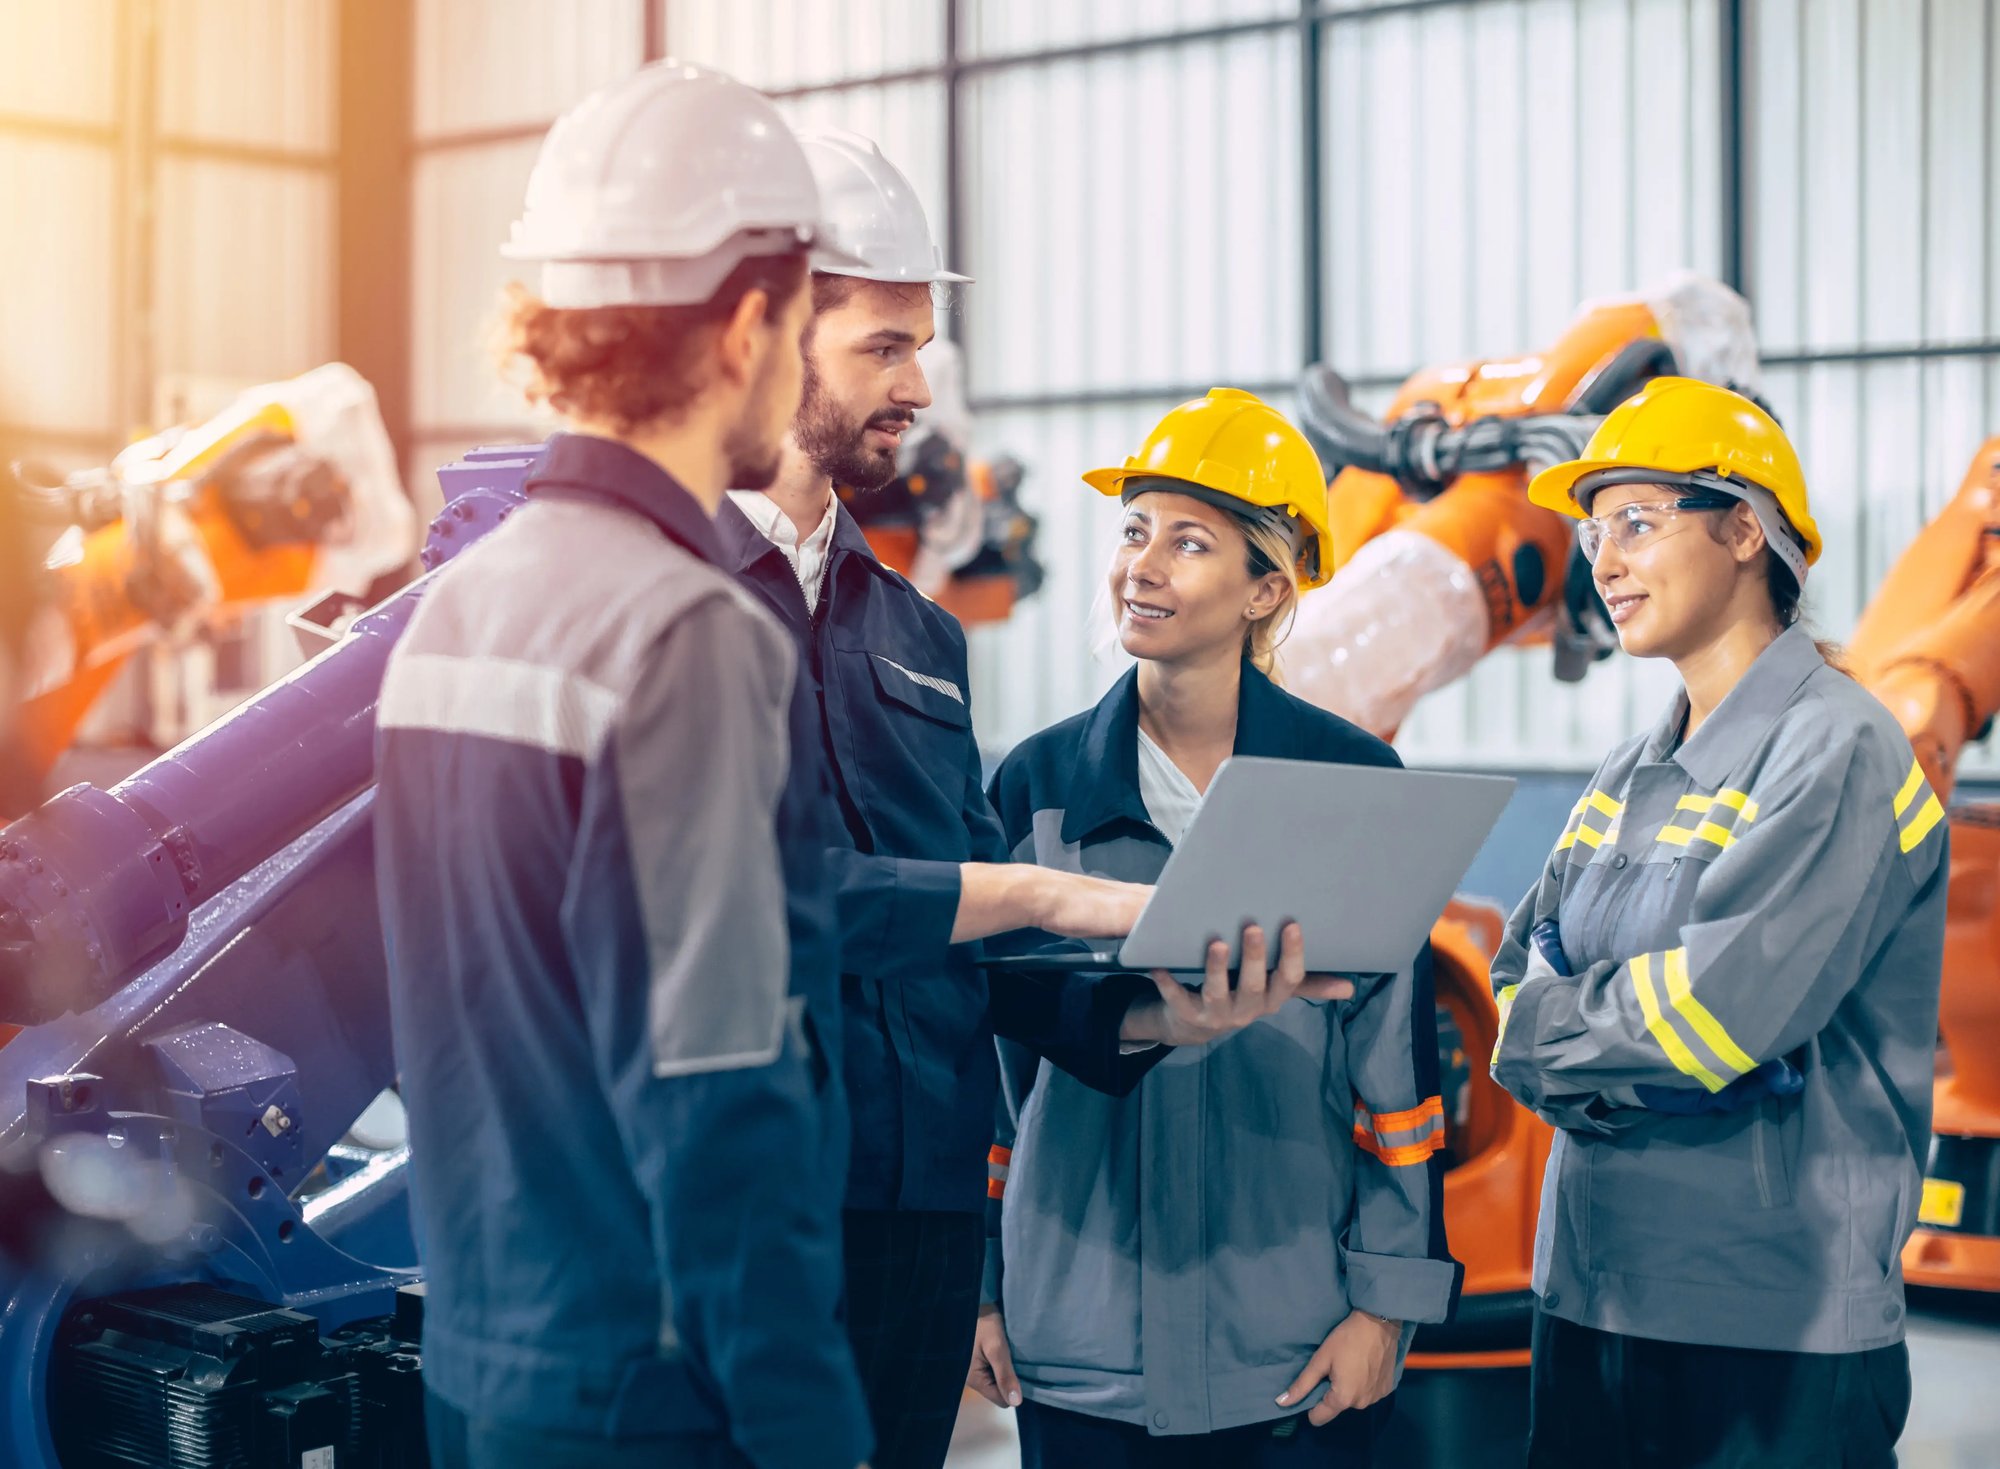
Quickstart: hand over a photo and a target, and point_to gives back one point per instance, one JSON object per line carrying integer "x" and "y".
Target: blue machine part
{"x": 194, "y": 963}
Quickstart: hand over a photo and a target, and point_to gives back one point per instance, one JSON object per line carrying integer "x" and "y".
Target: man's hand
{"x": 995, "y": 897}
{"x": 1079, "y": 907}
{"x": 1358, "y": 1361}
{"x": 992, "y": 1372}
{"x": 1181, "y": 1017}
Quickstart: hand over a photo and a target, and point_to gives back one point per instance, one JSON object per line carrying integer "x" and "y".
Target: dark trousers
{"x": 1054, "y": 1438}
{"x": 459, "y": 1442}
{"x": 912, "y": 1302}
{"x": 1604, "y": 1401}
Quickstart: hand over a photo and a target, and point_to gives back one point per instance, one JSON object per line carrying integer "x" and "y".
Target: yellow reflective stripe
{"x": 1928, "y": 816}
{"x": 1909, "y": 791}
{"x": 1662, "y": 1031}
{"x": 1708, "y": 831}
{"x": 1506, "y": 1008}
{"x": 1736, "y": 801}
{"x": 1604, "y": 804}
{"x": 1681, "y": 995}
{"x": 1588, "y": 837}
{"x": 1568, "y": 841}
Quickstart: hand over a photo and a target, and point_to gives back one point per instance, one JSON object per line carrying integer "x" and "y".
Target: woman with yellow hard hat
{"x": 1723, "y": 990}
{"x": 1215, "y": 1269}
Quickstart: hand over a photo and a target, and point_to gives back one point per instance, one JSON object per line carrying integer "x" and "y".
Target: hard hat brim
{"x": 861, "y": 270}
{"x": 1106, "y": 481}
{"x": 1555, "y": 487}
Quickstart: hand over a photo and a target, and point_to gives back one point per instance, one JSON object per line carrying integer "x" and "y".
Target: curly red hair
{"x": 629, "y": 366}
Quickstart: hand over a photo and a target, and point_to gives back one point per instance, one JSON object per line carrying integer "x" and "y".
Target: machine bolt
{"x": 275, "y": 1121}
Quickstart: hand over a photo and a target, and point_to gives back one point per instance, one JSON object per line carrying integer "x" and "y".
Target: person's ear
{"x": 1267, "y": 596}
{"x": 742, "y": 341}
{"x": 1743, "y": 533}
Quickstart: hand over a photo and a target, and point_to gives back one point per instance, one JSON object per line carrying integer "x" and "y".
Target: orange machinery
{"x": 955, "y": 528}
{"x": 1929, "y": 648}
{"x": 291, "y": 489}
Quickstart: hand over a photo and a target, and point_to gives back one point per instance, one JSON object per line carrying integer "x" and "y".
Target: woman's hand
{"x": 992, "y": 1371}
{"x": 1358, "y": 1361}
{"x": 1181, "y": 1017}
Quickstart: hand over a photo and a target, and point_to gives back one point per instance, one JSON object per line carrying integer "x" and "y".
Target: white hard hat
{"x": 649, "y": 192}
{"x": 872, "y": 210}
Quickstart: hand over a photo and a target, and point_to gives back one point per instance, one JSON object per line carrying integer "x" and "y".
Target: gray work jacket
{"x": 1772, "y": 888}
{"x": 1174, "y": 1257}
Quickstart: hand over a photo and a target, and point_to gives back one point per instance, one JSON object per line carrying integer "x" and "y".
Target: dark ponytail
{"x": 1785, "y": 598}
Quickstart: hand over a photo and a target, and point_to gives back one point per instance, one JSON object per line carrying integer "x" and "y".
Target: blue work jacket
{"x": 627, "y": 1143}
{"x": 885, "y": 669}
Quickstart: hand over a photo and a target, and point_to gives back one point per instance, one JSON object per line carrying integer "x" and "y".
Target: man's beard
{"x": 837, "y": 445}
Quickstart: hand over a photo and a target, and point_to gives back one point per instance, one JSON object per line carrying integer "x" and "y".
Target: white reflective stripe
{"x": 942, "y": 685}
{"x": 498, "y": 698}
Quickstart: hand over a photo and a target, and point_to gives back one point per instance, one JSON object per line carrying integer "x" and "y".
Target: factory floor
{"x": 1954, "y": 1414}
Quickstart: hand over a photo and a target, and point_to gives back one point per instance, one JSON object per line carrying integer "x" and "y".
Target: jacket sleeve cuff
{"x": 914, "y": 909}
{"x": 926, "y": 908}
{"x": 1399, "y": 1287}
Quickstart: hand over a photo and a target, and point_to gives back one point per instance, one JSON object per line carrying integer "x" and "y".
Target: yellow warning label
{"x": 1943, "y": 1205}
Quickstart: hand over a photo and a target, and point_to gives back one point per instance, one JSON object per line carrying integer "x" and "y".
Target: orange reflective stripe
{"x": 1403, "y": 1121}
{"x": 1401, "y": 1157}
{"x": 1000, "y": 1155}
{"x": 996, "y": 1187}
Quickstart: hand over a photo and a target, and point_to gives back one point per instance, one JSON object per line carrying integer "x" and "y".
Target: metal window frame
{"x": 1311, "y": 21}
{"x": 137, "y": 145}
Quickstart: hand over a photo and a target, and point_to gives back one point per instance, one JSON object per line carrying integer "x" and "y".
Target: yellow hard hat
{"x": 1235, "y": 445}
{"x": 1678, "y": 427}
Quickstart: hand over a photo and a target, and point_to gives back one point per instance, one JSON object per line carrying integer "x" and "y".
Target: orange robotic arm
{"x": 1442, "y": 558}
{"x": 290, "y": 489}
{"x": 1929, "y": 644}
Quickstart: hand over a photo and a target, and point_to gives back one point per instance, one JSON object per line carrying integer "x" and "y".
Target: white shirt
{"x": 808, "y": 557}
{"x": 1169, "y": 796}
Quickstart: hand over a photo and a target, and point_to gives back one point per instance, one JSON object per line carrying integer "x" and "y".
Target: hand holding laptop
{"x": 1190, "y": 1017}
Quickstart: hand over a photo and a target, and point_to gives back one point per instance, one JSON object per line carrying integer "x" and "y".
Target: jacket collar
{"x": 585, "y": 466}
{"x": 1104, "y": 787}
{"x": 1744, "y": 717}
{"x": 744, "y": 546}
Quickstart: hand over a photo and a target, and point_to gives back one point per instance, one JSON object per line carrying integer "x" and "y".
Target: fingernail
{"x": 1284, "y": 1399}
{"x": 1013, "y": 1400}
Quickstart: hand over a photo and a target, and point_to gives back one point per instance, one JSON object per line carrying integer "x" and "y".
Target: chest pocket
{"x": 906, "y": 752}
{"x": 1629, "y": 899}
{"x": 934, "y": 697}
{"x": 1637, "y": 892}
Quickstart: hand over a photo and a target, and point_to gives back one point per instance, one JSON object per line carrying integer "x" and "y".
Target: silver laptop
{"x": 1363, "y": 857}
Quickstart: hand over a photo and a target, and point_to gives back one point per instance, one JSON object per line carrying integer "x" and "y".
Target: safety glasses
{"x": 1634, "y": 527}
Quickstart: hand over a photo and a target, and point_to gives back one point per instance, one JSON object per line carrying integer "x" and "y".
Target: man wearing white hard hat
{"x": 920, "y": 863}
{"x": 598, "y": 788}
